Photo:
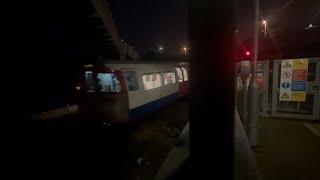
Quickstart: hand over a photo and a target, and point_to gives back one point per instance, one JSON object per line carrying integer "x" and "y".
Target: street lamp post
{"x": 265, "y": 28}
{"x": 253, "y": 90}
{"x": 185, "y": 50}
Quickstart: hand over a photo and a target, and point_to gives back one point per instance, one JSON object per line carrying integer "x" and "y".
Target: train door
{"x": 130, "y": 77}
{"x": 185, "y": 86}
{"x": 182, "y": 76}
{"x": 179, "y": 79}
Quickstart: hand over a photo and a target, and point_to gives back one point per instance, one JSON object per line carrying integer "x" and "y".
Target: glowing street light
{"x": 265, "y": 27}
{"x": 185, "y": 50}
{"x": 160, "y": 49}
{"x": 311, "y": 26}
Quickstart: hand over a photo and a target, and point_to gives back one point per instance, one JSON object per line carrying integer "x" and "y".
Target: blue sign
{"x": 285, "y": 85}
{"x": 298, "y": 86}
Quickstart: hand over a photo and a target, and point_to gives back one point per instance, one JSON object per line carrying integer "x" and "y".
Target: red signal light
{"x": 247, "y": 53}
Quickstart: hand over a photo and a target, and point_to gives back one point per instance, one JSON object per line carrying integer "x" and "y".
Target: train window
{"x": 185, "y": 74}
{"x": 179, "y": 73}
{"x": 131, "y": 80}
{"x": 151, "y": 81}
{"x": 108, "y": 82}
{"x": 89, "y": 81}
{"x": 169, "y": 78}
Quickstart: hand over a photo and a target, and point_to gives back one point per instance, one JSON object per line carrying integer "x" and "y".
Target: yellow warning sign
{"x": 298, "y": 96}
{"x": 293, "y": 79}
{"x": 285, "y": 96}
{"x": 299, "y": 64}
{"x": 286, "y": 65}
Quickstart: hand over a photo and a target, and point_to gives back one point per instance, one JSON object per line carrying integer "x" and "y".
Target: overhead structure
{"x": 109, "y": 31}
{"x": 84, "y": 27}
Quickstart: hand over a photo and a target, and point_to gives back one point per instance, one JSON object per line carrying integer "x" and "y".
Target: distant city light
{"x": 310, "y": 26}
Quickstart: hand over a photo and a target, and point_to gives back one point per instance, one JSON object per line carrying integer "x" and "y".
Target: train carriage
{"x": 123, "y": 92}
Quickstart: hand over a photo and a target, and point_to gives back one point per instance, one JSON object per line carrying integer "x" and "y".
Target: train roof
{"x": 108, "y": 65}
{"x": 143, "y": 62}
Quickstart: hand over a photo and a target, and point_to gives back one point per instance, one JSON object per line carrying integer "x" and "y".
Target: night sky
{"x": 147, "y": 24}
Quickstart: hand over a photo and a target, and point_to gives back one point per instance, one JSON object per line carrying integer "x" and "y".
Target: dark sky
{"x": 289, "y": 12}
{"x": 148, "y": 23}
{"x": 282, "y": 15}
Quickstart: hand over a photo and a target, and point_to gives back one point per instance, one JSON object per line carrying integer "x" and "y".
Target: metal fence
{"x": 263, "y": 79}
{"x": 270, "y": 103}
{"x": 293, "y": 109}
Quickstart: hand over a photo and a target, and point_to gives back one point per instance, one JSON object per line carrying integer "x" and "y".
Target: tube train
{"x": 123, "y": 92}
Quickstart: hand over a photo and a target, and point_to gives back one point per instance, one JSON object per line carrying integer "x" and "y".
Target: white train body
{"x": 124, "y": 92}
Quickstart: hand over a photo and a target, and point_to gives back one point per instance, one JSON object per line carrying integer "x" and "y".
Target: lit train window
{"x": 108, "y": 82}
{"x": 151, "y": 81}
{"x": 185, "y": 74}
{"x": 131, "y": 80}
{"x": 169, "y": 78}
{"x": 89, "y": 81}
{"x": 179, "y": 73}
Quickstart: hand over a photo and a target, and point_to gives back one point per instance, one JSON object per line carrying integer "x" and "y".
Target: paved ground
{"x": 73, "y": 148}
{"x": 289, "y": 150}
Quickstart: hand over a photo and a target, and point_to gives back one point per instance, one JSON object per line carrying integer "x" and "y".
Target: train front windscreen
{"x": 100, "y": 82}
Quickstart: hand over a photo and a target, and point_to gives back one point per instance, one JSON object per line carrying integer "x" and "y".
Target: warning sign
{"x": 294, "y": 75}
{"x": 298, "y": 96}
{"x": 286, "y": 65}
{"x": 299, "y": 75}
{"x": 285, "y": 85}
{"x": 286, "y": 74}
{"x": 298, "y": 86}
{"x": 285, "y": 96}
{"x": 301, "y": 64}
